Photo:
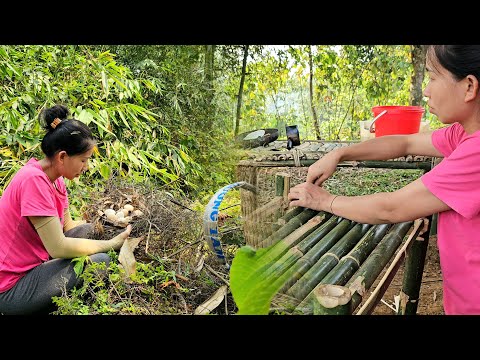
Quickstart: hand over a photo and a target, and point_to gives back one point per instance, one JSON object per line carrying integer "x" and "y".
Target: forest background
{"x": 169, "y": 114}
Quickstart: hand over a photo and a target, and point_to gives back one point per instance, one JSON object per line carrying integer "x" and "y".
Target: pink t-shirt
{"x": 30, "y": 193}
{"x": 456, "y": 181}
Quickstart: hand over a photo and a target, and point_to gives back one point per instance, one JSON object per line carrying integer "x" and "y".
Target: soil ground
{"x": 431, "y": 294}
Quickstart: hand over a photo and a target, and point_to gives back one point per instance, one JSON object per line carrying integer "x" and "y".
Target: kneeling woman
{"x": 38, "y": 238}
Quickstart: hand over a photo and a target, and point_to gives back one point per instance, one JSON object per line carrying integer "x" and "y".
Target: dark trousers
{"x": 33, "y": 293}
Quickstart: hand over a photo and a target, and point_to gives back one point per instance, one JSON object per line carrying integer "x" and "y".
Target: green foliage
{"x": 157, "y": 115}
{"x": 348, "y": 81}
{"x": 101, "y": 93}
{"x": 79, "y": 264}
{"x": 195, "y": 113}
{"x": 105, "y": 291}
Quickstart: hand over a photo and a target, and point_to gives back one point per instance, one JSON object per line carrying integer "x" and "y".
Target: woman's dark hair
{"x": 460, "y": 60}
{"x": 70, "y": 135}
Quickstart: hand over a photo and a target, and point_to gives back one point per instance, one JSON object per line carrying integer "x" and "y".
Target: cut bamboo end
{"x": 331, "y": 296}
{"x": 331, "y": 299}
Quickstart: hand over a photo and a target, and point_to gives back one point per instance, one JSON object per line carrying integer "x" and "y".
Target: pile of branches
{"x": 172, "y": 244}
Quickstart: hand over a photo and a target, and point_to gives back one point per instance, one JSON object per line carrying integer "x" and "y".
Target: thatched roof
{"x": 304, "y": 154}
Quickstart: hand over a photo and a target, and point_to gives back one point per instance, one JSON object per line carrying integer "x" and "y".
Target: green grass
{"x": 361, "y": 181}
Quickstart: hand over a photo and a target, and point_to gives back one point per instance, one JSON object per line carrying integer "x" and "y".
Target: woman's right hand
{"x": 120, "y": 238}
{"x": 322, "y": 169}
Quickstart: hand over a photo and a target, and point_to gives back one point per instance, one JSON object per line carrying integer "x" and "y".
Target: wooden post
{"x": 412, "y": 277}
{"x": 387, "y": 246}
{"x": 282, "y": 187}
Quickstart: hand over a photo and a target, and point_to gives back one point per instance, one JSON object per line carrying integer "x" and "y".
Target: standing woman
{"x": 451, "y": 189}
{"x": 38, "y": 238}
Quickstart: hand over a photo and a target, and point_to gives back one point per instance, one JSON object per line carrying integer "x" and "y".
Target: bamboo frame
{"x": 387, "y": 278}
{"x": 412, "y": 253}
{"x": 414, "y": 165}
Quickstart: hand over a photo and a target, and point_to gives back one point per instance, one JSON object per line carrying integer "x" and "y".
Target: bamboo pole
{"x": 279, "y": 184}
{"x": 415, "y": 165}
{"x": 332, "y": 221}
{"x": 349, "y": 263}
{"x": 285, "y": 255}
{"x": 314, "y": 246}
{"x": 412, "y": 277}
{"x": 290, "y": 215}
{"x": 387, "y": 246}
{"x": 286, "y": 186}
{"x": 331, "y": 299}
{"x": 328, "y": 261}
{"x": 433, "y": 227}
{"x": 279, "y": 192}
{"x": 293, "y": 224}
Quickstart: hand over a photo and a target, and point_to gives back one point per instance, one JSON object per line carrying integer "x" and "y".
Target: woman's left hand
{"x": 310, "y": 196}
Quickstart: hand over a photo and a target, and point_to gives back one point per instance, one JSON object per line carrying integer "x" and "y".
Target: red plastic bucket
{"x": 396, "y": 120}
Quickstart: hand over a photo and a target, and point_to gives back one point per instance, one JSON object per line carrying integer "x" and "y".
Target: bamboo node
{"x": 358, "y": 286}
{"x": 332, "y": 255}
{"x": 351, "y": 257}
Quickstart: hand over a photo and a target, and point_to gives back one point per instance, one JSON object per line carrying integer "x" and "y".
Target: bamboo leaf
{"x": 126, "y": 257}
{"x": 104, "y": 170}
{"x": 211, "y": 304}
{"x": 105, "y": 83}
{"x": 252, "y": 289}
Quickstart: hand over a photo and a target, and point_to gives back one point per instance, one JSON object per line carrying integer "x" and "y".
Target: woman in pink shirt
{"x": 38, "y": 238}
{"x": 451, "y": 189}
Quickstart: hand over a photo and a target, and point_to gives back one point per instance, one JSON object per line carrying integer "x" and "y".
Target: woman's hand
{"x": 310, "y": 196}
{"x": 120, "y": 238}
{"x": 126, "y": 233}
{"x": 322, "y": 169}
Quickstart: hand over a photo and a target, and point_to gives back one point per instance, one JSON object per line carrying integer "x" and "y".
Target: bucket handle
{"x": 372, "y": 130}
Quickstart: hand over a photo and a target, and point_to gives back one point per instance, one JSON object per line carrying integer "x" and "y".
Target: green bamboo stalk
{"x": 412, "y": 276}
{"x": 433, "y": 227}
{"x": 328, "y": 261}
{"x": 279, "y": 184}
{"x": 333, "y": 221}
{"x": 331, "y": 299}
{"x": 423, "y": 165}
{"x": 376, "y": 261}
{"x": 293, "y": 224}
{"x": 363, "y": 279}
{"x": 289, "y": 215}
{"x": 315, "y": 245}
{"x": 282, "y": 186}
{"x": 348, "y": 264}
{"x": 284, "y": 254}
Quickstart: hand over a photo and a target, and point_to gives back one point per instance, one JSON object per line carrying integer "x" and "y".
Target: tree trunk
{"x": 314, "y": 113}
{"x": 418, "y": 62}
{"x": 209, "y": 61}
{"x": 240, "y": 90}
